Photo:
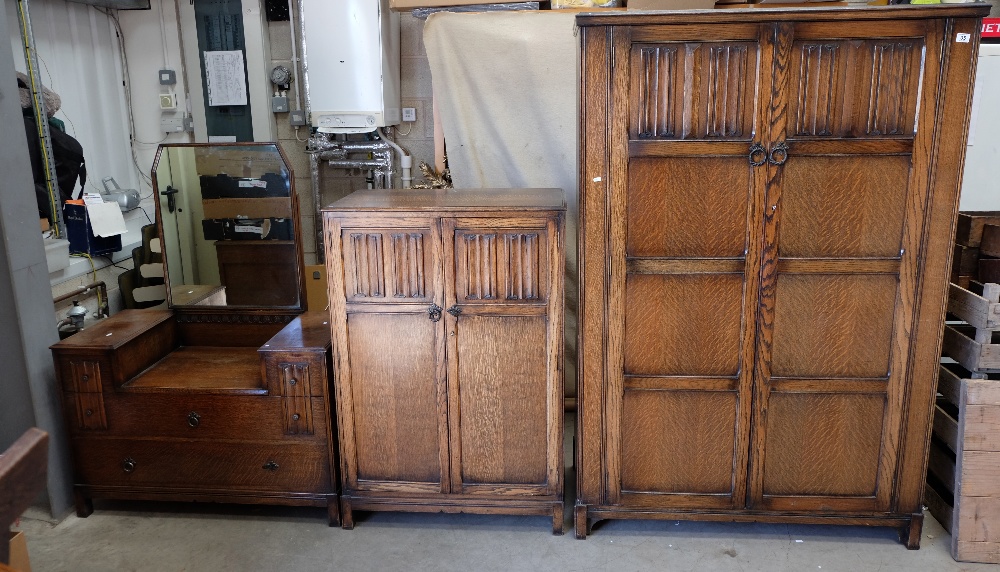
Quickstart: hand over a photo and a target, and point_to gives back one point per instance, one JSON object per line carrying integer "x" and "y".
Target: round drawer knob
{"x": 88, "y": 412}
{"x": 194, "y": 419}
{"x": 270, "y": 466}
{"x": 128, "y": 465}
{"x": 295, "y": 417}
{"x": 292, "y": 381}
{"x": 86, "y": 377}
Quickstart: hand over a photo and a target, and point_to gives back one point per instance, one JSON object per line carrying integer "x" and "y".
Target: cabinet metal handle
{"x": 434, "y": 313}
{"x": 757, "y": 149}
{"x": 779, "y": 154}
{"x": 270, "y": 466}
{"x": 194, "y": 419}
{"x": 128, "y": 465}
{"x": 455, "y": 311}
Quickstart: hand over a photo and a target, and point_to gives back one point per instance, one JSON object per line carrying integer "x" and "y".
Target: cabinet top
{"x": 114, "y": 332}
{"x": 450, "y": 200}
{"x": 777, "y": 14}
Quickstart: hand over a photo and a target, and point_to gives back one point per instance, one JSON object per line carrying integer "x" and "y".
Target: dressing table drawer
{"x": 247, "y": 466}
{"x": 208, "y": 417}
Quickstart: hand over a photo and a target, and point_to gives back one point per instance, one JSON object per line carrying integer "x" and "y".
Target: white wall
{"x": 981, "y": 182}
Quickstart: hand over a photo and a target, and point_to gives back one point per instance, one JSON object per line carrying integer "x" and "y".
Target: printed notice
{"x": 225, "y": 75}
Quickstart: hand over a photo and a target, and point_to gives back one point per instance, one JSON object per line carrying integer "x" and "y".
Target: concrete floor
{"x": 141, "y": 536}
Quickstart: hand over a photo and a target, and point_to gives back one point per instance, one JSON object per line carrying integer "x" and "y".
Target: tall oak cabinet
{"x": 446, "y": 313}
{"x": 767, "y": 200}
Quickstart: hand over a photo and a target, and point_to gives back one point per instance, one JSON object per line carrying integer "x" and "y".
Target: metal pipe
{"x": 102, "y": 290}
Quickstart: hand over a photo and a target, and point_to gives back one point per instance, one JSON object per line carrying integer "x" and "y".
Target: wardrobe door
{"x": 683, "y": 265}
{"x": 848, "y": 176}
{"x": 504, "y": 354}
{"x": 385, "y": 297}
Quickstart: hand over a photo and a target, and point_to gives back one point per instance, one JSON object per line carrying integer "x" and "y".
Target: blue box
{"x": 81, "y": 235}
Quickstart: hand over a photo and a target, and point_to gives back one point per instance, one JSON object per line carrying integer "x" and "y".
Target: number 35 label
{"x": 963, "y": 38}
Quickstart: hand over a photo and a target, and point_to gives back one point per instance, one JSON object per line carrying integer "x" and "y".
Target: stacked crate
{"x": 977, "y": 248}
{"x": 963, "y": 476}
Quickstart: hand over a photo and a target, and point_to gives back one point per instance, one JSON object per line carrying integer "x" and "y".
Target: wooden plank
{"x": 938, "y": 507}
{"x": 971, "y": 354}
{"x": 980, "y": 475}
{"x": 965, "y": 260}
{"x": 970, "y": 226}
{"x": 989, "y": 269}
{"x": 977, "y": 311}
{"x": 978, "y": 518}
{"x": 941, "y": 466}
{"x": 983, "y": 392}
{"x": 987, "y": 552}
{"x": 990, "y": 245}
{"x": 950, "y": 385}
{"x": 982, "y": 426}
{"x": 946, "y": 429}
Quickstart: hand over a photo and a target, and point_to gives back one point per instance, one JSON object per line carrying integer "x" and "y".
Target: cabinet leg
{"x": 84, "y": 505}
{"x": 333, "y": 510}
{"x": 910, "y": 535}
{"x": 580, "y": 521}
{"x": 557, "y": 519}
{"x": 346, "y": 514}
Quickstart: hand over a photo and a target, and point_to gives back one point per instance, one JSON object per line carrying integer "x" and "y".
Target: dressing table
{"x": 223, "y": 395}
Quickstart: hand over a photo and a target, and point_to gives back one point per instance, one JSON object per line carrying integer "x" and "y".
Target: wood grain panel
{"x": 714, "y": 193}
{"x": 678, "y": 441}
{"x": 833, "y": 326}
{"x": 822, "y": 444}
{"x": 364, "y": 265}
{"x": 502, "y": 384}
{"x": 480, "y": 266}
{"x": 394, "y": 392}
{"x": 201, "y": 368}
{"x": 683, "y": 325}
{"x": 506, "y": 265}
{"x": 856, "y": 88}
{"x": 843, "y": 206}
{"x": 694, "y": 90}
{"x": 408, "y": 265}
{"x": 522, "y": 261}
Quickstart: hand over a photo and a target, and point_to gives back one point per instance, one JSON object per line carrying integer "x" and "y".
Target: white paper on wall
{"x": 225, "y": 77}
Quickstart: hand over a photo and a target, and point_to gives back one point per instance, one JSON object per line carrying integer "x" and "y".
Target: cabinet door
{"x": 683, "y": 279}
{"x": 844, "y": 221}
{"x": 389, "y": 352}
{"x": 505, "y": 354}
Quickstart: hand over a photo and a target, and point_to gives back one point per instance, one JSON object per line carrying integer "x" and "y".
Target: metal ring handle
{"x": 757, "y": 149}
{"x": 270, "y": 466}
{"x": 194, "y": 419}
{"x": 455, "y": 311}
{"x": 129, "y": 464}
{"x": 781, "y": 148}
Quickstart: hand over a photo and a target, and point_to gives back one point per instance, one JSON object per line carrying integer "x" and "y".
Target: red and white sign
{"x": 991, "y": 27}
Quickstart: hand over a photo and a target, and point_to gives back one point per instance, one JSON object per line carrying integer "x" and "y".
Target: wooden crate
{"x": 963, "y": 474}
{"x": 970, "y": 226}
{"x": 975, "y": 344}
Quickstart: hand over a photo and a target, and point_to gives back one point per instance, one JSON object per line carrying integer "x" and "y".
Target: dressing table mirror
{"x": 224, "y": 394}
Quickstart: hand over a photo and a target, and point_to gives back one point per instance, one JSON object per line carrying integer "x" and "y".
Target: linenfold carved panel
{"x": 694, "y": 90}
{"x": 505, "y": 266}
{"x": 408, "y": 265}
{"x": 368, "y": 277}
{"x": 863, "y": 88}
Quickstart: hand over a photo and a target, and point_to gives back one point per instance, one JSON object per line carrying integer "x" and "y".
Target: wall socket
{"x": 297, "y": 118}
{"x": 409, "y": 114}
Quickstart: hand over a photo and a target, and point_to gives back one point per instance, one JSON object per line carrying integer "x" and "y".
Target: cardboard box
{"x": 19, "y": 553}
{"x": 316, "y": 297}
{"x": 670, "y": 4}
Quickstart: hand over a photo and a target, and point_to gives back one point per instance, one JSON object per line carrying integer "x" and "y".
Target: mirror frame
{"x": 296, "y": 226}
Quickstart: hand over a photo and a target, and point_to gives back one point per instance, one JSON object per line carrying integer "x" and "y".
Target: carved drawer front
{"x": 383, "y": 266}
{"x": 203, "y": 465}
{"x": 205, "y": 416}
{"x": 295, "y": 402}
{"x": 508, "y": 266}
{"x": 85, "y": 376}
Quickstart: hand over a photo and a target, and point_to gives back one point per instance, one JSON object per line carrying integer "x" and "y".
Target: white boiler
{"x": 351, "y": 61}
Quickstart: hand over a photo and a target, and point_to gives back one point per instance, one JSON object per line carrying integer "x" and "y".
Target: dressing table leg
{"x": 84, "y": 505}
{"x": 333, "y": 510}
{"x": 346, "y": 514}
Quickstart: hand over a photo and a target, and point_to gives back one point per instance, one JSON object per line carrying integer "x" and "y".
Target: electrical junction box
{"x": 297, "y": 118}
{"x": 409, "y": 114}
{"x": 167, "y": 77}
{"x": 279, "y": 104}
{"x": 351, "y": 54}
{"x": 168, "y": 101}
{"x": 172, "y": 124}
